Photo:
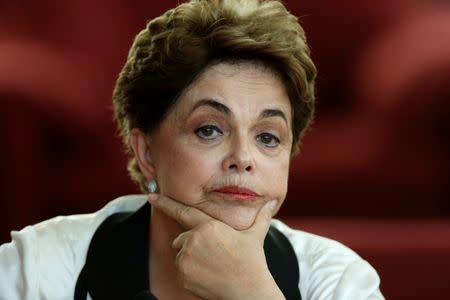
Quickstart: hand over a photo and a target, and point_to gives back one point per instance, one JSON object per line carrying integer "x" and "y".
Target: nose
{"x": 239, "y": 158}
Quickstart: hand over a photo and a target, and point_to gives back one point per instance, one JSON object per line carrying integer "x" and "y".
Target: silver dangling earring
{"x": 152, "y": 186}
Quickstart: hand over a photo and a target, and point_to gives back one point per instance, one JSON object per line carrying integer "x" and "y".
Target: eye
{"x": 208, "y": 132}
{"x": 268, "y": 139}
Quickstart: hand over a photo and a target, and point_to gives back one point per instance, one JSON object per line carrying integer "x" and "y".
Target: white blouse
{"x": 43, "y": 261}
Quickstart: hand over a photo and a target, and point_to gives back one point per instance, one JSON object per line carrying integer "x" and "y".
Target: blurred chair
{"x": 389, "y": 154}
{"x": 59, "y": 153}
{"x": 388, "y": 157}
{"x": 58, "y": 63}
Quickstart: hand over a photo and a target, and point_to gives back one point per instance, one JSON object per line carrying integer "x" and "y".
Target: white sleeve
{"x": 43, "y": 261}
{"x": 18, "y": 267}
{"x": 330, "y": 270}
{"x": 358, "y": 281}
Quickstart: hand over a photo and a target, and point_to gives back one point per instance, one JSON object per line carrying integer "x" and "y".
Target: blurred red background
{"x": 374, "y": 171}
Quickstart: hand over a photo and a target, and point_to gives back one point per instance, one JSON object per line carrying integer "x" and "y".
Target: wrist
{"x": 265, "y": 289}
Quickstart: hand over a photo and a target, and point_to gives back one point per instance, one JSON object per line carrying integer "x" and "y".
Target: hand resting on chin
{"x": 215, "y": 261}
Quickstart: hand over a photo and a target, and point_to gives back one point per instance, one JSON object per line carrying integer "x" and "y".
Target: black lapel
{"x": 282, "y": 263}
{"x": 117, "y": 260}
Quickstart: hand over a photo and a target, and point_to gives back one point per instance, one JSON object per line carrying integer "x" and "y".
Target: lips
{"x": 236, "y": 192}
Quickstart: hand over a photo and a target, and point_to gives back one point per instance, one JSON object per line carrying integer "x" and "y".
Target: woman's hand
{"x": 215, "y": 261}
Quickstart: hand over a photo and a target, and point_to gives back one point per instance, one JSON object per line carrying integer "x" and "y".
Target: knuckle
{"x": 181, "y": 262}
{"x": 193, "y": 241}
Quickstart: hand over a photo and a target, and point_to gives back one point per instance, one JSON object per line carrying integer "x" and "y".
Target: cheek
{"x": 182, "y": 173}
{"x": 276, "y": 179}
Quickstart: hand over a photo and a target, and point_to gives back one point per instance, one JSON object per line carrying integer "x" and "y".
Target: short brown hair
{"x": 177, "y": 46}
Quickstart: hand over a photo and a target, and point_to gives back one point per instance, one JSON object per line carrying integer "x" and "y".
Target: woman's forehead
{"x": 238, "y": 86}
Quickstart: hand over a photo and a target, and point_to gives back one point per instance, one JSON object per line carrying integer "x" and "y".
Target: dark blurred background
{"x": 374, "y": 171}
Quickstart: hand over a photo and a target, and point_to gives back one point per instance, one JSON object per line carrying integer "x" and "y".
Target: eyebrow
{"x": 267, "y": 113}
{"x": 214, "y": 104}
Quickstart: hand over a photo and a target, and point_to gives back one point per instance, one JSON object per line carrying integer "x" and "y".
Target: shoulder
{"x": 329, "y": 269}
{"x": 47, "y": 257}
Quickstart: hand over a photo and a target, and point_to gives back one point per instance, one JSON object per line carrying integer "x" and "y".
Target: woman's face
{"x": 225, "y": 146}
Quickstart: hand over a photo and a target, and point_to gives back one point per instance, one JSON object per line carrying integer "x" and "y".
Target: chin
{"x": 239, "y": 216}
{"x": 240, "y": 221}
{"x": 241, "y": 226}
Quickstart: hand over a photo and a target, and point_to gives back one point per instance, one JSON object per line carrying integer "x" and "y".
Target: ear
{"x": 141, "y": 149}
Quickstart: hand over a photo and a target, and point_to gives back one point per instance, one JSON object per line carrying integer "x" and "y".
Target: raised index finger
{"x": 187, "y": 216}
{"x": 263, "y": 220}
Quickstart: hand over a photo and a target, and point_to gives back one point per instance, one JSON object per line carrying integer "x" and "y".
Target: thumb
{"x": 262, "y": 221}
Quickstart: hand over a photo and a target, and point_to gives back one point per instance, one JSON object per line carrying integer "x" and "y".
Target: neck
{"x": 163, "y": 230}
{"x": 163, "y": 273}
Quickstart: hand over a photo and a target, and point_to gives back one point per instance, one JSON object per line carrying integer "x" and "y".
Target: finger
{"x": 263, "y": 219}
{"x": 187, "y": 216}
{"x": 178, "y": 242}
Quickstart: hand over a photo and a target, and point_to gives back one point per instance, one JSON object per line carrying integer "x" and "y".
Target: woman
{"x": 211, "y": 104}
